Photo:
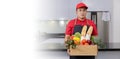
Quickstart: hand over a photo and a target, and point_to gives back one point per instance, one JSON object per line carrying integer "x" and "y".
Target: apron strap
{"x": 87, "y": 22}
{"x": 75, "y": 22}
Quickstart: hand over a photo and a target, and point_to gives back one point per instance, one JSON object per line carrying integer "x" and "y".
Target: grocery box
{"x": 84, "y": 50}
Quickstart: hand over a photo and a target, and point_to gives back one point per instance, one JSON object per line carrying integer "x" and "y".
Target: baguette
{"x": 84, "y": 29}
{"x": 90, "y": 30}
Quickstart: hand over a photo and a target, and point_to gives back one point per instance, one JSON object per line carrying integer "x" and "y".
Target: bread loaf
{"x": 90, "y": 30}
{"x": 84, "y": 29}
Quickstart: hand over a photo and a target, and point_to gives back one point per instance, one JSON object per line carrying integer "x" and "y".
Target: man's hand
{"x": 67, "y": 37}
{"x": 68, "y": 51}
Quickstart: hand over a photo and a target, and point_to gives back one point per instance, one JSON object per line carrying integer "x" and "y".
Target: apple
{"x": 89, "y": 42}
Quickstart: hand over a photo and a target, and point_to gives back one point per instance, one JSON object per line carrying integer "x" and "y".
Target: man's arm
{"x": 66, "y": 38}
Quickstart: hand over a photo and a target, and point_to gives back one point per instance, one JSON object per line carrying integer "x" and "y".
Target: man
{"x": 75, "y": 25}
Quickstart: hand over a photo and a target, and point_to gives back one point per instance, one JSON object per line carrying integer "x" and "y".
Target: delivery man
{"x": 75, "y": 25}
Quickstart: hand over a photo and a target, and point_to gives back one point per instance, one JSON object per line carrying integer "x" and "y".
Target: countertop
{"x": 57, "y": 44}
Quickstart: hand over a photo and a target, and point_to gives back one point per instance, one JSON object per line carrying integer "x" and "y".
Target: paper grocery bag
{"x": 84, "y": 50}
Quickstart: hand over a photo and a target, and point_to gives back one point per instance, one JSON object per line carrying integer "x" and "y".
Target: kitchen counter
{"x": 53, "y": 48}
{"x": 57, "y": 44}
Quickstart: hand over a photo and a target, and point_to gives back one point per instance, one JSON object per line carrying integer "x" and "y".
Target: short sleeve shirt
{"x": 71, "y": 24}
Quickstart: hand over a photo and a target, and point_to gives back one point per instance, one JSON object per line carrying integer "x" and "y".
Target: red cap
{"x": 79, "y": 5}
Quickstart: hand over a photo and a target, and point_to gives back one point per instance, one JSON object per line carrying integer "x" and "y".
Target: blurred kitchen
{"x": 53, "y": 15}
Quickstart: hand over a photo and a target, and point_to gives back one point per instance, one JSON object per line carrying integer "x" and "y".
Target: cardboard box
{"x": 84, "y": 50}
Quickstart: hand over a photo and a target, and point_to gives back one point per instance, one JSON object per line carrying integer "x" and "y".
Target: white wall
{"x": 116, "y": 21}
{"x": 73, "y": 8}
{"x": 98, "y": 5}
{"x": 93, "y": 5}
{"x": 53, "y": 9}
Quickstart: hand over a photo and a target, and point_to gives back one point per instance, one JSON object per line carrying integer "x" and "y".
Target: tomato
{"x": 83, "y": 41}
{"x": 86, "y": 44}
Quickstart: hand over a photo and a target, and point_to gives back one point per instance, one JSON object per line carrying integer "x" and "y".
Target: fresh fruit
{"x": 71, "y": 37}
{"x": 76, "y": 40}
{"x": 83, "y": 41}
{"x": 86, "y": 44}
{"x": 77, "y": 34}
{"x": 89, "y": 42}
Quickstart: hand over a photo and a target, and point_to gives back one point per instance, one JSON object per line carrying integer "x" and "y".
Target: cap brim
{"x": 82, "y": 7}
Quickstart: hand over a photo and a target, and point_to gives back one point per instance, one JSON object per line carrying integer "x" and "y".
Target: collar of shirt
{"x": 81, "y": 20}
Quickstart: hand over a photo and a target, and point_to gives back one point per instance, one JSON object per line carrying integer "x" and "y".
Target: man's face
{"x": 81, "y": 13}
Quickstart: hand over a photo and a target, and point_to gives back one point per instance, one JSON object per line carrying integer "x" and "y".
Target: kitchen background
{"x": 58, "y": 26}
{"x": 53, "y": 16}
{"x": 53, "y": 19}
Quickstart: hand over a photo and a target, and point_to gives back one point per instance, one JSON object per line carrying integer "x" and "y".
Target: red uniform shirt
{"x": 71, "y": 24}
